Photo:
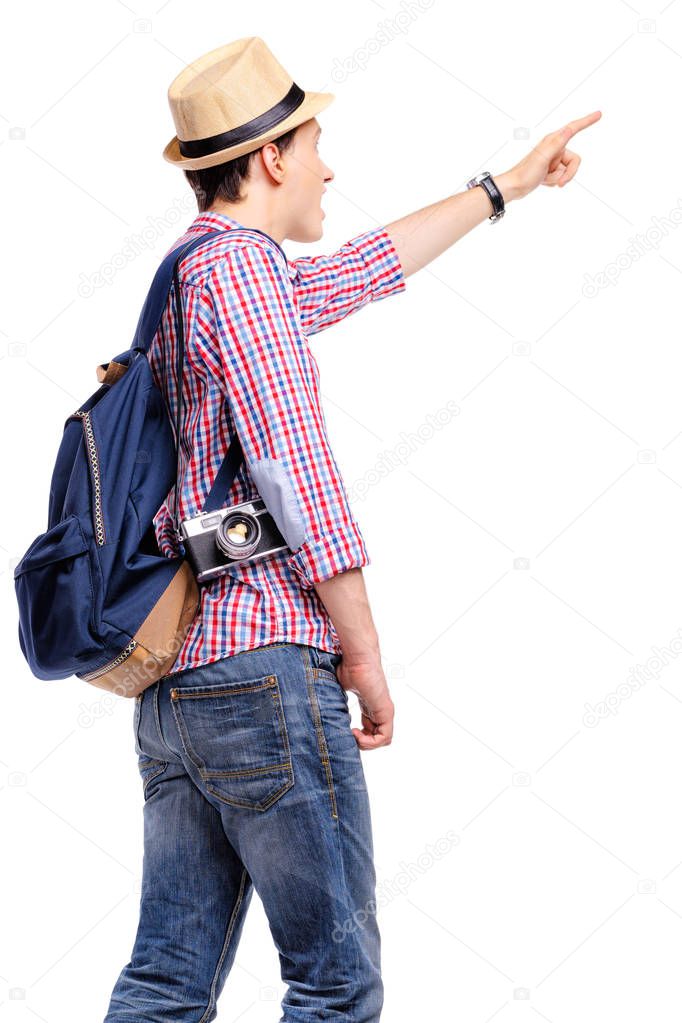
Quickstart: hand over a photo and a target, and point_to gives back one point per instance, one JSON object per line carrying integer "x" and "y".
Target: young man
{"x": 252, "y": 774}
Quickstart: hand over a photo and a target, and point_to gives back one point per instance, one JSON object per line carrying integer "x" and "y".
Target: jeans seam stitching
{"x": 231, "y": 801}
{"x": 183, "y": 693}
{"x": 226, "y": 944}
{"x": 136, "y": 724}
{"x": 153, "y": 775}
{"x": 321, "y": 740}
{"x": 207, "y": 775}
{"x": 157, "y": 718}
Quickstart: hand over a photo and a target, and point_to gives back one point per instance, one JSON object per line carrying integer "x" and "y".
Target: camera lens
{"x": 238, "y": 535}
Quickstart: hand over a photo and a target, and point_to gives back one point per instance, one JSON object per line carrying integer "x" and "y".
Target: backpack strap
{"x": 155, "y": 303}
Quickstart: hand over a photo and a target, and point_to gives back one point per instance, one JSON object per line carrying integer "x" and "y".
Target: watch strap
{"x": 487, "y": 182}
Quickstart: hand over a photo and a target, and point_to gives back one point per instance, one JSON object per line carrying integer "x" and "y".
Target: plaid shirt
{"x": 249, "y": 370}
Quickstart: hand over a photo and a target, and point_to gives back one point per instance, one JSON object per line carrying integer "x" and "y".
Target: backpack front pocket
{"x": 54, "y": 589}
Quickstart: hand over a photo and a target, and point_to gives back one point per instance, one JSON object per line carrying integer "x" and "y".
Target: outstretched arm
{"x": 421, "y": 236}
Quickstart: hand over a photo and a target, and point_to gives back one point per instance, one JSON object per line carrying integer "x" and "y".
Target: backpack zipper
{"x": 123, "y": 656}
{"x": 93, "y": 458}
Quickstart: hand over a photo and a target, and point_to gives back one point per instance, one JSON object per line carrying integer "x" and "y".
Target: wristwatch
{"x": 485, "y": 181}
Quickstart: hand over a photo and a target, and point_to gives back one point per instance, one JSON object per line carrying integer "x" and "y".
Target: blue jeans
{"x": 252, "y": 778}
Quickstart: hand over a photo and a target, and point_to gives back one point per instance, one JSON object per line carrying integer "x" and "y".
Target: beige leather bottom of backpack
{"x": 155, "y": 646}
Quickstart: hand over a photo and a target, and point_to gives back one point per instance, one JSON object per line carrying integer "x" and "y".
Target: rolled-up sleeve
{"x": 273, "y": 387}
{"x": 328, "y": 288}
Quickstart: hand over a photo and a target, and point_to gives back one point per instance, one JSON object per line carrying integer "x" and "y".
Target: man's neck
{"x": 251, "y": 216}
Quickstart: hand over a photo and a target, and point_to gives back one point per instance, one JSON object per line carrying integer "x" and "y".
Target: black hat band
{"x": 245, "y": 132}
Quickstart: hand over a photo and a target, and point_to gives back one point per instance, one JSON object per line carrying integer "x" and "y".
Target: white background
{"x": 552, "y": 575}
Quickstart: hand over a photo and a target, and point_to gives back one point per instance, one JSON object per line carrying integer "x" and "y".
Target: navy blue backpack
{"x": 97, "y": 599}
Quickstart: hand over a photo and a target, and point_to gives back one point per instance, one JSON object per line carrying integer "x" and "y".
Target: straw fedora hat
{"x": 233, "y": 100}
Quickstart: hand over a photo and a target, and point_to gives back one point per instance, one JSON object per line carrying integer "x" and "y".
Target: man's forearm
{"x": 360, "y": 670}
{"x": 421, "y": 236}
{"x": 345, "y": 598}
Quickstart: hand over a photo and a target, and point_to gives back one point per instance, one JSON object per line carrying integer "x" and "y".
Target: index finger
{"x": 570, "y": 129}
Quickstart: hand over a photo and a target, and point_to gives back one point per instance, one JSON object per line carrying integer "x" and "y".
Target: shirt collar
{"x": 212, "y": 220}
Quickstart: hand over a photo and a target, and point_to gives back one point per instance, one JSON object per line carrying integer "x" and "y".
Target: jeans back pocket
{"x": 236, "y": 736}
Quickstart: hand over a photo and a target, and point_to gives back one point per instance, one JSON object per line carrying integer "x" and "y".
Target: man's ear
{"x": 272, "y": 161}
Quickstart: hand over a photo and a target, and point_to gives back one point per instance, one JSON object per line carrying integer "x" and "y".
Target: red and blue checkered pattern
{"x": 249, "y": 370}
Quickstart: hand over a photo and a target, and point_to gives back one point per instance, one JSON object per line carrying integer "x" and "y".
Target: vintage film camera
{"x": 215, "y": 540}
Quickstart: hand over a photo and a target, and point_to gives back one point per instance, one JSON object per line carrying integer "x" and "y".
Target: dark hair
{"x": 224, "y": 181}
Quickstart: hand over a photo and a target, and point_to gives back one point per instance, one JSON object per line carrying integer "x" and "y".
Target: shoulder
{"x": 240, "y": 252}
